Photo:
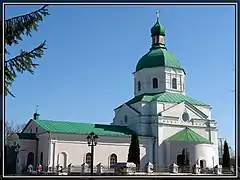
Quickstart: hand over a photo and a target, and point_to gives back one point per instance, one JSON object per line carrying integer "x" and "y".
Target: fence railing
{"x": 106, "y": 170}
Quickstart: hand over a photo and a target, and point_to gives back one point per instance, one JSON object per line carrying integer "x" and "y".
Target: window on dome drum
{"x": 125, "y": 119}
{"x": 88, "y": 159}
{"x": 139, "y": 86}
{"x": 157, "y": 39}
{"x": 174, "y": 83}
{"x": 113, "y": 160}
{"x": 155, "y": 83}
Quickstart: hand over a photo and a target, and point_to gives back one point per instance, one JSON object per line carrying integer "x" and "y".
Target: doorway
{"x": 30, "y": 159}
{"x": 202, "y": 163}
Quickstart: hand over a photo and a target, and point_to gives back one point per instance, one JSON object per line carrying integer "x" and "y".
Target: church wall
{"x": 31, "y": 128}
{"x": 152, "y": 108}
{"x": 160, "y": 107}
{"x": 206, "y": 110}
{"x": 145, "y": 76}
{"x": 76, "y": 150}
{"x": 27, "y": 146}
{"x": 125, "y": 110}
{"x": 179, "y": 75}
{"x": 197, "y": 152}
{"x": 44, "y": 148}
{"x": 178, "y": 109}
{"x": 164, "y": 106}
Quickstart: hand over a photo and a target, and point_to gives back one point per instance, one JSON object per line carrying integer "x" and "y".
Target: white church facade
{"x": 164, "y": 117}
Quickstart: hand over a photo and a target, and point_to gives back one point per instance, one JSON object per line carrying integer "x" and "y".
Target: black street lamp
{"x": 92, "y": 141}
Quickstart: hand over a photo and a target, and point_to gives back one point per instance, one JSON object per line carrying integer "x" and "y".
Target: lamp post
{"x": 92, "y": 141}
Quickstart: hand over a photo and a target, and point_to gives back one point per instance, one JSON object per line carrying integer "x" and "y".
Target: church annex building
{"x": 160, "y": 112}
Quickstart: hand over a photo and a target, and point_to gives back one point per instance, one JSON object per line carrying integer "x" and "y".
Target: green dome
{"x": 158, "y": 57}
{"x": 158, "y": 29}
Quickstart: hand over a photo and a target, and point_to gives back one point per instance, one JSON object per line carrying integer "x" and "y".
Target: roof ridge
{"x": 63, "y": 121}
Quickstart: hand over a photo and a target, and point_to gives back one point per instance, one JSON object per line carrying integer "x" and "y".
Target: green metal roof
{"x": 165, "y": 97}
{"x": 83, "y": 128}
{"x": 158, "y": 56}
{"x": 188, "y": 135}
{"x": 157, "y": 29}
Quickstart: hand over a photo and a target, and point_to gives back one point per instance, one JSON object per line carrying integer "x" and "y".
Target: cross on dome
{"x": 36, "y": 108}
{"x": 158, "y": 14}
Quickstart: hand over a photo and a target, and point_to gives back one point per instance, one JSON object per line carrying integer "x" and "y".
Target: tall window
{"x": 174, "y": 83}
{"x": 139, "y": 86}
{"x": 41, "y": 158}
{"x": 31, "y": 130}
{"x": 36, "y": 130}
{"x": 125, "y": 119}
{"x": 155, "y": 83}
{"x": 88, "y": 159}
{"x": 113, "y": 160}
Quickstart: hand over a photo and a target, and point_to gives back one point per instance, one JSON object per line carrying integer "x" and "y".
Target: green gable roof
{"x": 83, "y": 128}
{"x": 165, "y": 97}
{"x": 188, "y": 135}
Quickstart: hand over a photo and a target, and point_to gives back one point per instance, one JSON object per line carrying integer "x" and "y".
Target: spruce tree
{"x": 134, "y": 151}
{"x": 14, "y": 30}
{"x": 226, "y": 156}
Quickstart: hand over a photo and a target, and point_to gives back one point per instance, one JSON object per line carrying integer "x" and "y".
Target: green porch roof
{"x": 83, "y": 128}
{"x": 164, "y": 97}
{"x": 188, "y": 135}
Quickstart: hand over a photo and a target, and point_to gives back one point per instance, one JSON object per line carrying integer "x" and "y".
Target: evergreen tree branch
{"x": 21, "y": 63}
{"x": 14, "y": 29}
{"x": 24, "y": 24}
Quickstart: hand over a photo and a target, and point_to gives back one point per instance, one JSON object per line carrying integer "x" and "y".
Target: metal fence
{"x": 106, "y": 170}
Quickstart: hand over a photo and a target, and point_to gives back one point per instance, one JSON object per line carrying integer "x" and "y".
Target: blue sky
{"x": 92, "y": 52}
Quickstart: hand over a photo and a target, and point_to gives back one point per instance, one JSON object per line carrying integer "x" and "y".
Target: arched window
{"x": 88, "y": 159}
{"x": 113, "y": 160}
{"x": 174, "y": 83}
{"x": 155, "y": 83}
{"x": 125, "y": 119}
{"x": 62, "y": 159}
{"x": 139, "y": 86}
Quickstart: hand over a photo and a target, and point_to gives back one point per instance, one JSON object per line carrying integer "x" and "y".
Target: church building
{"x": 165, "y": 119}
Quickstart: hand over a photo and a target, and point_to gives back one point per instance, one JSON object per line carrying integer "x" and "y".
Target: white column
{"x": 53, "y": 159}
{"x": 49, "y": 162}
